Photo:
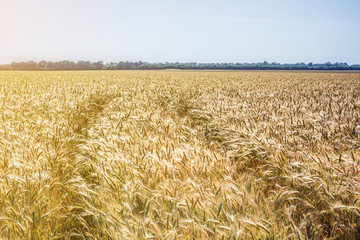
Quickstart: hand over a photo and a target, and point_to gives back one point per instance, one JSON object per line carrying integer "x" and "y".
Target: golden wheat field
{"x": 179, "y": 155}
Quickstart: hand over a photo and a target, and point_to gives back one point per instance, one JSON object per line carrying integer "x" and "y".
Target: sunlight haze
{"x": 180, "y": 31}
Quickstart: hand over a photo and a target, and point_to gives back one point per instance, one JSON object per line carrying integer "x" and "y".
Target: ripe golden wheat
{"x": 179, "y": 155}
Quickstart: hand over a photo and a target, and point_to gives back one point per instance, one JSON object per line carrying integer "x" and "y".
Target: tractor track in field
{"x": 80, "y": 177}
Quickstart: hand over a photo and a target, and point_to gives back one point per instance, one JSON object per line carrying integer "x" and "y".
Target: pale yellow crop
{"x": 179, "y": 155}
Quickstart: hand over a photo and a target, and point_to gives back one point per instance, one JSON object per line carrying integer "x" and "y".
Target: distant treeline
{"x": 87, "y": 65}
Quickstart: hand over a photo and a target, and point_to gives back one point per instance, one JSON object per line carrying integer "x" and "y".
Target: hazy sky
{"x": 180, "y": 30}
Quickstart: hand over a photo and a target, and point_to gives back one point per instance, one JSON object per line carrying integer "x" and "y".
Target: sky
{"x": 284, "y": 31}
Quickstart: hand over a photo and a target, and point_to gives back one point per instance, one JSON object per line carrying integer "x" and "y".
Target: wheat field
{"x": 179, "y": 155}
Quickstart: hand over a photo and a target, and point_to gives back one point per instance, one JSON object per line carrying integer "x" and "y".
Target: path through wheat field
{"x": 179, "y": 155}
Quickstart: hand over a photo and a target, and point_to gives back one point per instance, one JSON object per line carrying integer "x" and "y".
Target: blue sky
{"x": 180, "y": 31}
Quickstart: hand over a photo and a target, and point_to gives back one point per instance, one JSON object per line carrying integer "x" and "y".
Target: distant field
{"x": 179, "y": 155}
